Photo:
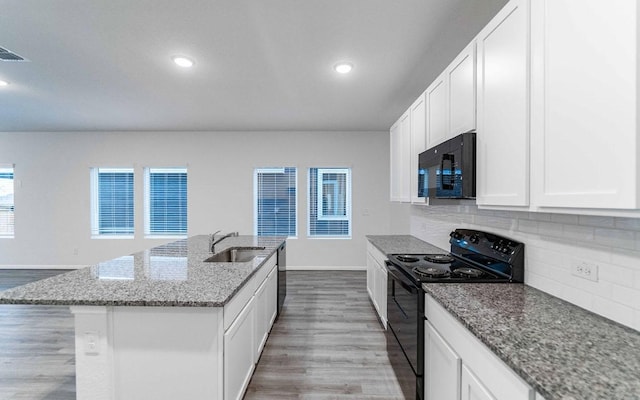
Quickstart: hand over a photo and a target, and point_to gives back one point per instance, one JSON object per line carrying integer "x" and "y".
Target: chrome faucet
{"x": 214, "y": 241}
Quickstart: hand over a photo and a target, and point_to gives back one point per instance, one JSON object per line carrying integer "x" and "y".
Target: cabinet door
{"x": 400, "y": 161}
{"x": 405, "y": 157}
{"x": 441, "y": 367}
{"x": 503, "y": 108}
{"x": 584, "y": 103}
{"x": 472, "y": 388}
{"x": 418, "y": 142}
{"x": 372, "y": 272}
{"x": 266, "y": 300}
{"x": 437, "y": 111}
{"x": 239, "y": 353}
{"x": 381, "y": 293}
{"x": 395, "y": 144}
{"x": 462, "y": 91}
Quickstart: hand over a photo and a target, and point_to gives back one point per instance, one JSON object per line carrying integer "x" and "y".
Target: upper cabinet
{"x": 584, "y": 114}
{"x": 400, "y": 145}
{"x": 418, "y": 142}
{"x": 503, "y": 108}
{"x": 451, "y": 99}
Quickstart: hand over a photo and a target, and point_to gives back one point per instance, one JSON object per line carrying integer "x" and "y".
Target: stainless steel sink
{"x": 236, "y": 254}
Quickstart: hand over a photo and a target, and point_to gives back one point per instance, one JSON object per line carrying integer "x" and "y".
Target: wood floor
{"x": 327, "y": 344}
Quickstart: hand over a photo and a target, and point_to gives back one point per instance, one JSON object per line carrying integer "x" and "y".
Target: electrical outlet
{"x": 91, "y": 343}
{"x": 584, "y": 269}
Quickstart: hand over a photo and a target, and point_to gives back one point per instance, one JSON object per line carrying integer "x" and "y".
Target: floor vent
{"x": 7, "y": 55}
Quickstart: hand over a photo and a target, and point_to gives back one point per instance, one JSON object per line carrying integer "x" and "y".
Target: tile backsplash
{"x": 554, "y": 245}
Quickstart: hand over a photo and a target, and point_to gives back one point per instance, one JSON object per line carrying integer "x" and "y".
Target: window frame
{"x": 147, "y": 203}
{"x": 317, "y": 203}
{"x": 95, "y": 203}
{"x": 11, "y": 209}
{"x": 266, "y": 170}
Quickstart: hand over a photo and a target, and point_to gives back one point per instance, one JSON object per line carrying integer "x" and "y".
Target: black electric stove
{"x": 475, "y": 256}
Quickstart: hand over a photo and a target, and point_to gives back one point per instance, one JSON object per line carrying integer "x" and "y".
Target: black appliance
{"x": 448, "y": 170}
{"x": 282, "y": 275}
{"x": 475, "y": 256}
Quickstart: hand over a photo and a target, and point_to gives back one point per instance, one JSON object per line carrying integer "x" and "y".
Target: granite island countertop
{"x": 171, "y": 275}
{"x": 563, "y": 351}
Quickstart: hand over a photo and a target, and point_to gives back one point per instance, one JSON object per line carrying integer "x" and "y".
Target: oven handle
{"x": 398, "y": 276}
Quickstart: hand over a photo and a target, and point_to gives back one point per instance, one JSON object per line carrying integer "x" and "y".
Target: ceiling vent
{"x": 6, "y": 55}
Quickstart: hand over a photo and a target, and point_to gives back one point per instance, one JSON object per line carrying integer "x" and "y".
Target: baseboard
{"x": 11, "y": 266}
{"x": 324, "y": 268}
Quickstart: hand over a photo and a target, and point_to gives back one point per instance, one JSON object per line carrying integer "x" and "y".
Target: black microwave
{"x": 448, "y": 170}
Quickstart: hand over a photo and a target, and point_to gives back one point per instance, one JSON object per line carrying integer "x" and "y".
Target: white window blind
{"x": 112, "y": 202}
{"x": 330, "y": 202}
{"x": 275, "y": 194}
{"x": 166, "y": 201}
{"x": 7, "y": 204}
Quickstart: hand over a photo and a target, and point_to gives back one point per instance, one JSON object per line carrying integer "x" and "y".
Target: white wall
{"x": 553, "y": 243}
{"x": 52, "y": 194}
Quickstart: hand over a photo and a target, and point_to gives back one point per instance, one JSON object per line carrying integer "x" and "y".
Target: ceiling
{"x": 105, "y": 65}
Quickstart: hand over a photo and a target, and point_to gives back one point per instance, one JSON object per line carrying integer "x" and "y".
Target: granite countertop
{"x": 403, "y": 244}
{"x": 563, "y": 351}
{"x": 169, "y": 275}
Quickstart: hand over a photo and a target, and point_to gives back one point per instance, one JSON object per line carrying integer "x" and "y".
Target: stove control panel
{"x": 469, "y": 241}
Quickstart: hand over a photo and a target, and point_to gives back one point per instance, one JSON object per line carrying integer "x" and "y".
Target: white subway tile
{"x": 615, "y": 274}
{"x": 527, "y": 226}
{"x": 613, "y": 310}
{"x": 597, "y": 221}
{"x": 615, "y": 238}
{"x": 579, "y": 233}
{"x": 550, "y": 229}
{"x": 627, "y": 223}
{"x": 565, "y": 219}
{"x": 626, "y": 296}
{"x": 626, "y": 259}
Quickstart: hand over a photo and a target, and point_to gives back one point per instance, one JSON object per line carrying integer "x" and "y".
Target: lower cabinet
{"x": 266, "y": 310}
{"x": 459, "y": 366}
{"x": 472, "y": 387}
{"x": 239, "y": 360}
{"x": 377, "y": 281}
{"x": 441, "y": 367}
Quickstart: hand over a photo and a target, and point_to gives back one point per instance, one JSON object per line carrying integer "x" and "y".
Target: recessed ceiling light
{"x": 182, "y": 61}
{"x": 4, "y": 83}
{"x": 343, "y": 67}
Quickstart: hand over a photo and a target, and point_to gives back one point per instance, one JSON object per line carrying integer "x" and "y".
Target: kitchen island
{"x": 165, "y": 324}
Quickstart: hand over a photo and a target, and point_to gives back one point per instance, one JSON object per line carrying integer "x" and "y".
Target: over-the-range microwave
{"x": 448, "y": 170}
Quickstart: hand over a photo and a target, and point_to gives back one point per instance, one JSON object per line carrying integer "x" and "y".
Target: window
{"x": 6, "y": 202}
{"x": 330, "y": 202}
{"x": 112, "y": 202}
{"x": 166, "y": 201}
{"x": 275, "y": 202}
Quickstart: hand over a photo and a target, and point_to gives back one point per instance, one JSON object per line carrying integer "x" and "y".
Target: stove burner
{"x": 407, "y": 258}
{"x": 439, "y": 258}
{"x": 431, "y": 272}
{"x": 467, "y": 272}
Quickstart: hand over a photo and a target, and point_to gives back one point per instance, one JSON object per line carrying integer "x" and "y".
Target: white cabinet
{"x": 479, "y": 372}
{"x": 266, "y": 309}
{"x": 437, "y": 111}
{"x": 377, "y": 281}
{"x": 503, "y": 108}
{"x": 400, "y": 145}
{"x": 451, "y": 99}
{"x": 239, "y": 359}
{"x": 472, "y": 387}
{"x": 441, "y": 367}
{"x": 584, "y": 121}
{"x": 418, "y": 143}
{"x": 461, "y": 75}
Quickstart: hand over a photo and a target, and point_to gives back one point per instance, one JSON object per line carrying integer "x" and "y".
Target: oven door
{"x": 404, "y": 344}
